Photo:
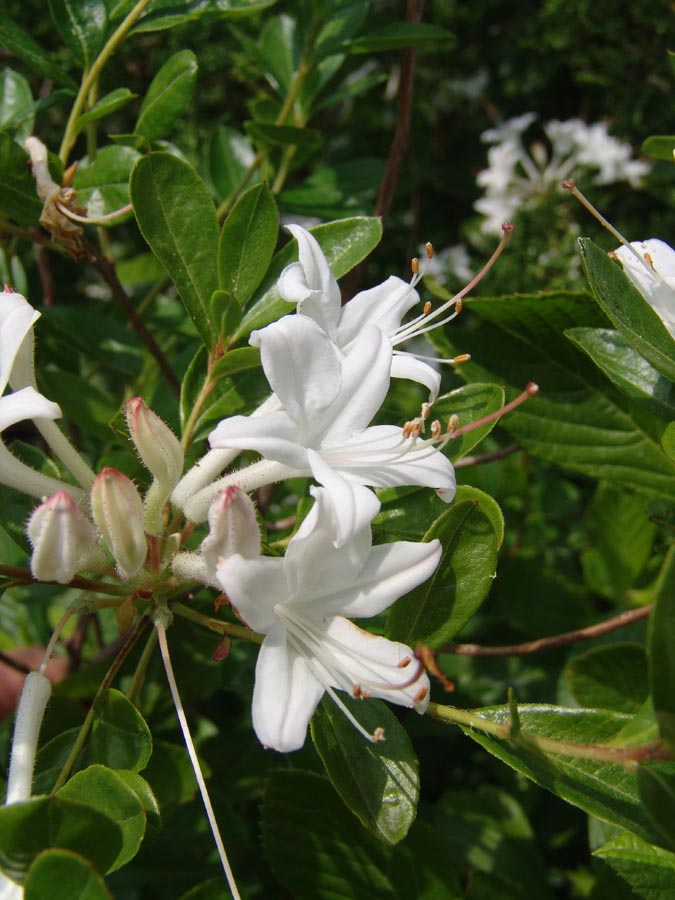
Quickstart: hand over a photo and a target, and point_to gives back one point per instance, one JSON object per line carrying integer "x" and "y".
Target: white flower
{"x": 61, "y": 537}
{"x": 117, "y": 509}
{"x": 328, "y": 399}
{"x": 651, "y": 268}
{"x": 300, "y": 603}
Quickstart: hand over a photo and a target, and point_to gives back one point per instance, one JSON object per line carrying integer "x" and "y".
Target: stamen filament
{"x": 93, "y": 220}
{"x": 531, "y": 390}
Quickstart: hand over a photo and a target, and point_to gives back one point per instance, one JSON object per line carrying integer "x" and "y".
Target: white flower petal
{"x": 285, "y": 696}
{"x": 17, "y": 318}
{"x": 274, "y": 436}
{"x": 384, "y": 306}
{"x": 352, "y": 505}
{"x": 655, "y": 281}
{"x": 415, "y": 370}
{"x": 254, "y": 587}
{"x": 322, "y": 302}
{"x": 24, "y": 404}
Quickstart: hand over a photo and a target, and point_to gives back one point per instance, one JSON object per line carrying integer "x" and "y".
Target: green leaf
{"x": 436, "y": 610}
{"x": 378, "y": 782}
{"x": 660, "y": 648}
{"x": 609, "y": 677}
{"x": 398, "y": 35}
{"x": 168, "y": 95}
{"x": 469, "y": 403}
{"x": 82, "y": 24}
{"x": 16, "y": 102}
{"x": 103, "y": 184}
{"x": 18, "y": 197}
{"x": 341, "y": 26}
{"x": 282, "y": 135}
{"x": 63, "y": 875}
{"x": 144, "y": 792}
{"x": 229, "y": 155}
{"x": 649, "y": 870}
{"x": 628, "y": 309}
{"x": 178, "y": 220}
{"x": 239, "y": 360}
{"x": 247, "y": 242}
{"x": 120, "y": 737}
{"x": 171, "y": 13}
{"x": 659, "y": 146}
{"x": 656, "y": 784}
{"x": 602, "y": 789}
{"x": 279, "y": 50}
{"x": 114, "y": 100}
{"x": 578, "y": 421}
{"x": 420, "y": 867}
{"x": 22, "y": 45}
{"x": 629, "y": 371}
{"x": 26, "y": 829}
{"x": 314, "y": 846}
{"x": 101, "y": 789}
{"x": 345, "y": 243}
{"x": 225, "y": 315}
{"x": 620, "y": 536}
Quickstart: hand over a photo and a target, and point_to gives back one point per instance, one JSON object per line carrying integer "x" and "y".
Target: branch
{"x": 556, "y": 640}
{"x": 477, "y": 460}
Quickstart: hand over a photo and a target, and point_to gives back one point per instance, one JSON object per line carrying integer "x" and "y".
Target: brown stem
{"x": 477, "y": 460}
{"x": 556, "y": 640}
{"x": 46, "y": 280}
{"x": 23, "y": 576}
{"x": 106, "y": 268}
{"x": 14, "y": 663}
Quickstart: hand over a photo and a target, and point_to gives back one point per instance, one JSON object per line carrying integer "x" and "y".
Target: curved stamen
{"x": 93, "y": 220}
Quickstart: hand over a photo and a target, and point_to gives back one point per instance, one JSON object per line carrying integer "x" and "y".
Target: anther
{"x": 531, "y": 389}
{"x": 508, "y": 227}
{"x": 420, "y": 695}
{"x": 426, "y": 409}
{"x": 458, "y": 305}
{"x": 462, "y": 358}
{"x": 402, "y": 663}
{"x": 429, "y": 247}
{"x": 426, "y": 309}
{"x": 378, "y": 735}
{"x": 8, "y": 289}
{"x": 357, "y": 690}
{"x": 453, "y": 424}
{"x": 436, "y": 429}
{"x": 415, "y": 265}
{"x": 648, "y": 258}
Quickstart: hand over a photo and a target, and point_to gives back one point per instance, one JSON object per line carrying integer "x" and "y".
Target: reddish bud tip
{"x": 508, "y": 227}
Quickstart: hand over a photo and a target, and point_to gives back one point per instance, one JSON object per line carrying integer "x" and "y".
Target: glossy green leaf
{"x": 577, "y": 421}
{"x": 602, "y": 789}
{"x": 26, "y": 829}
{"x": 378, "y": 782}
{"x": 168, "y": 95}
{"x": 269, "y": 135}
{"x": 398, "y": 35}
{"x": 239, "y": 360}
{"x": 345, "y": 243}
{"x": 114, "y": 100}
{"x": 247, "y": 242}
{"x": 649, "y": 870}
{"x": 82, "y": 24}
{"x": 178, "y": 220}
{"x": 63, "y": 875}
{"x": 170, "y": 775}
{"x": 609, "y": 677}
{"x": 225, "y": 314}
{"x": 620, "y": 539}
{"x": 315, "y": 847}
{"x": 420, "y": 867}
{"x": 140, "y": 787}
{"x": 628, "y": 309}
{"x": 16, "y": 102}
{"x": 469, "y": 403}
{"x": 171, "y": 13}
{"x": 629, "y": 371}
{"x": 278, "y": 50}
{"x": 22, "y": 45}
{"x": 229, "y": 155}
{"x": 340, "y": 28}
{"x": 659, "y": 146}
{"x": 436, "y": 610}
{"x": 18, "y": 197}
{"x": 656, "y": 784}
{"x": 660, "y": 648}
{"x": 103, "y": 184}
{"x": 101, "y": 789}
{"x": 120, "y": 737}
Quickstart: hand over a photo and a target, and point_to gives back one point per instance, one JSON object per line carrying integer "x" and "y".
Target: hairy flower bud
{"x": 157, "y": 445}
{"x": 118, "y": 512}
{"x": 232, "y": 528}
{"x": 61, "y": 537}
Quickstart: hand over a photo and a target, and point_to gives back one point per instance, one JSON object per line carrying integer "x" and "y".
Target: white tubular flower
{"x": 118, "y": 512}
{"x": 328, "y": 400}
{"x": 300, "y": 602}
{"x": 233, "y": 529}
{"x": 161, "y": 453}
{"x": 651, "y": 268}
{"x": 310, "y": 283}
{"x": 61, "y": 537}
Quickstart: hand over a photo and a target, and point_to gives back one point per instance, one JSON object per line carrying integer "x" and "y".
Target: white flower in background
{"x": 519, "y": 174}
{"x": 300, "y": 603}
{"x": 651, "y": 268}
{"x": 328, "y": 399}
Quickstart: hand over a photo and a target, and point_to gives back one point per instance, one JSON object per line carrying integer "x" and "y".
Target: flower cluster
{"x": 519, "y": 175}
{"x": 329, "y": 369}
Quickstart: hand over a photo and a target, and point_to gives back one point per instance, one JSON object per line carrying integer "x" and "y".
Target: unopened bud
{"x": 233, "y": 528}
{"x": 118, "y": 512}
{"x": 157, "y": 446}
{"x": 61, "y": 537}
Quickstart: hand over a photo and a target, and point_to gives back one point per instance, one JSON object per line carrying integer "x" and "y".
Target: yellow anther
{"x": 429, "y": 247}
{"x": 415, "y": 265}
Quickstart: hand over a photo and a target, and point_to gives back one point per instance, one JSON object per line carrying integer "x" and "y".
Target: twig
{"x": 106, "y": 268}
{"x": 477, "y": 460}
{"x": 556, "y": 640}
{"x": 46, "y": 280}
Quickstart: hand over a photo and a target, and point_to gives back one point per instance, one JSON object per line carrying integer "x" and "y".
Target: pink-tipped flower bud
{"x": 61, "y": 537}
{"x": 157, "y": 446}
{"x": 232, "y": 528}
{"x": 118, "y": 512}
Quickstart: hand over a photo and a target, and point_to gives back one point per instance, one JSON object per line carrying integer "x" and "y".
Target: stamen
{"x": 436, "y": 429}
{"x": 429, "y": 248}
{"x": 402, "y": 663}
{"x": 8, "y": 289}
{"x": 453, "y": 424}
{"x": 415, "y": 265}
{"x": 570, "y": 186}
{"x": 531, "y": 390}
{"x": 426, "y": 309}
{"x": 374, "y": 738}
{"x": 421, "y": 694}
{"x": 93, "y": 220}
